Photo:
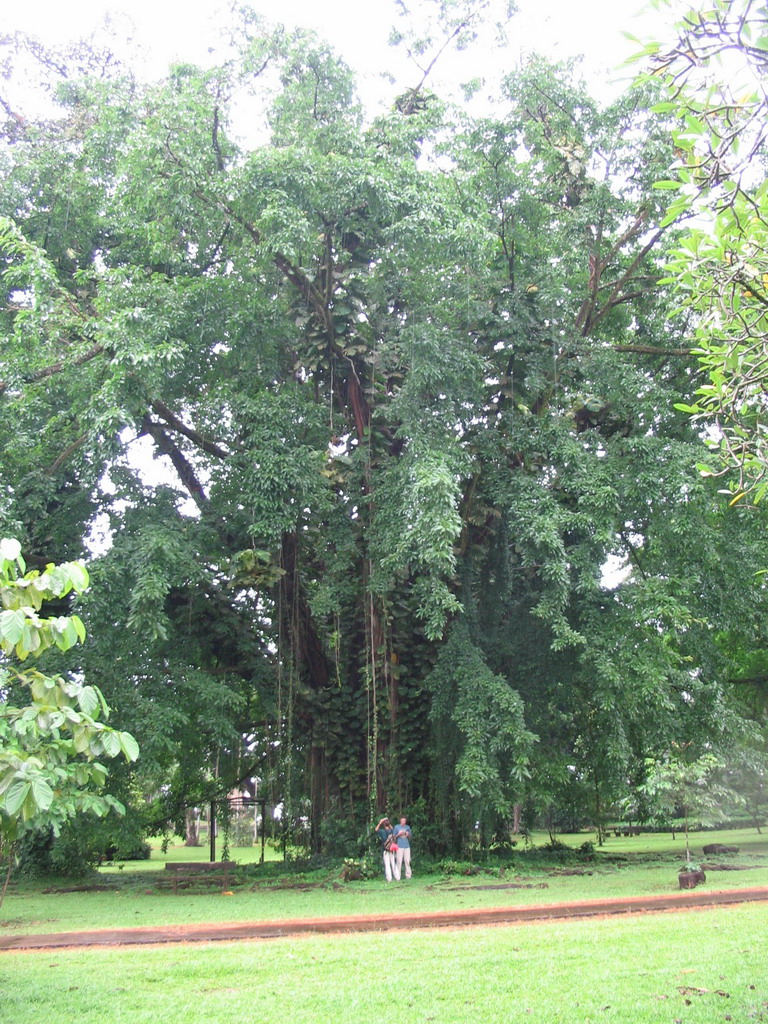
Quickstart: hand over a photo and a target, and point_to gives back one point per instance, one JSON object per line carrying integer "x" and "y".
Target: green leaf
{"x": 14, "y": 797}
{"x": 41, "y": 793}
{"x": 77, "y": 575}
{"x": 79, "y": 627}
{"x": 88, "y": 699}
{"x": 111, "y": 744}
{"x": 129, "y": 746}
{"x": 82, "y": 739}
{"x": 11, "y": 627}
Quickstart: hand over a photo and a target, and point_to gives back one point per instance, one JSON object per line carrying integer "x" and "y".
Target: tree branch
{"x": 69, "y": 450}
{"x": 180, "y": 462}
{"x": 173, "y": 421}
{"x": 54, "y": 368}
{"x": 652, "y": 350}
{"x": 591, "y": 317}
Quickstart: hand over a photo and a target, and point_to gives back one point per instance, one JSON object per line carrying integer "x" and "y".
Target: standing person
{"x": 402, "y": 836}
{"x": 384, "y": 831}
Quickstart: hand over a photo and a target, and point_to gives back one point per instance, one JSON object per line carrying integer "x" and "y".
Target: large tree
{"x": 409, "y": 384}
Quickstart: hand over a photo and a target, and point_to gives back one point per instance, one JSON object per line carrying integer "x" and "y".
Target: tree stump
{"x": 720, "y": 848}
{"x": 691, "y": 878}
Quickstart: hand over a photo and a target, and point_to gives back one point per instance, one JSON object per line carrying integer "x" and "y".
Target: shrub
{"x": 83, "y": 844}
{"x": 139, "y": 850}
{"x": 354, "y": 870}
{"x": 344, "y": 837}
{"x": 555, "y": 846}
{"x": 34, "y": 853}
{"x": 457, "y": 867}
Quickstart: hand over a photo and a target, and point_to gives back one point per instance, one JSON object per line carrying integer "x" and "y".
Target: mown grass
{"x": 177, "y": 851}
{"x": 641, "y": 865}
{"x": 698, "y": 968}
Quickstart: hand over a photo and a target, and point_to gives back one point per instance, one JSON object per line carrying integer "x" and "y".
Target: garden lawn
{"x": 134, "y": 899}
{"x": 647, "y": 844}
{"x": 180, "y": 853}
{"x": 698, "y": 967}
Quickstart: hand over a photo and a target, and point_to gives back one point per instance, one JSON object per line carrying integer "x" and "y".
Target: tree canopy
{"x": 415, "y": 522}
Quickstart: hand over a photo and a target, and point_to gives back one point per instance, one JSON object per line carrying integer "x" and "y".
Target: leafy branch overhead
{"x": 715, "y": 84}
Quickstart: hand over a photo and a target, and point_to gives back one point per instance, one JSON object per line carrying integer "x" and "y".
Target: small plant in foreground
{"x": 358, "y": 870}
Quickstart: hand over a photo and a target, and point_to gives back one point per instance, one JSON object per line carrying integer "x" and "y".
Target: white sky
{"x": 185, "y": 29}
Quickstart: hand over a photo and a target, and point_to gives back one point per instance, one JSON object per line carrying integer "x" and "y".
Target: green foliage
{"x": 483, "y": 716}
{"x": 51, "y": 748}
{"x": 720, "y": 268}
{"x": 22, "y": 630}
{"x": 352, "y": 417}
{"x": 677, "y": 783}
{"x": 83, "y": 843}
{"x": 345, "y": 837}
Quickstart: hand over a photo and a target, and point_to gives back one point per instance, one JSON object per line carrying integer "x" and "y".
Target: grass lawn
{"x": 132, "y": 897}
{"x": 698, "y": 968}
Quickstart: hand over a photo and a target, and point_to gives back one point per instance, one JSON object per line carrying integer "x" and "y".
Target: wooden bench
{"x": 186, "y": 873}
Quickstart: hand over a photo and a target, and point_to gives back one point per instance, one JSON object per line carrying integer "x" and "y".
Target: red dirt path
{"x": 383, "y": 922}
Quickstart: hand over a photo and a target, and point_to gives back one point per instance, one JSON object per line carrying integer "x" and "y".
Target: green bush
{"x": 345, "y": 837}
{"x": 84, "y": 843}
{"x": 457, "y": 867}
{"x": 555, "y": 846}
{"x": 34, "y": 853}
{"x": 356, "y": 870}
{"x": 73, "y": 854}
{"x": 139, "y": 850}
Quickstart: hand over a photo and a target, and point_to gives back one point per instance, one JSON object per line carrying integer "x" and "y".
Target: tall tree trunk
{"x": 305, "y": 649}
{"x": 192, "y": 826}
{"x": 8, "y": 849}
{"x": 517, "y": 811}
